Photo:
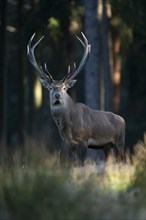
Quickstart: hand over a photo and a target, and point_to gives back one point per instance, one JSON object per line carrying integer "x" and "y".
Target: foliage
{"x": 40, "y": 186}
{"x": 54, "y": 27}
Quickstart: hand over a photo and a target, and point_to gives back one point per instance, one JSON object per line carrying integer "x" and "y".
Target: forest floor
{"x": 35, "y": 185}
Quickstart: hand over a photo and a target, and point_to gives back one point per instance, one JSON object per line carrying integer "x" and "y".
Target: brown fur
{"x": 81, "y": 126}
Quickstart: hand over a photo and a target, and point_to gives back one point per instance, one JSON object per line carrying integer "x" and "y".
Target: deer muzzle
{"x": 57, "y": 98}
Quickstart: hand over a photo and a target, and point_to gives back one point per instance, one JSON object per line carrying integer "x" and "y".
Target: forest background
{"x": 114, "y": 78}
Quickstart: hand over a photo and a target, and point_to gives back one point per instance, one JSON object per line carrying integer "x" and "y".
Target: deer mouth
{"x": 57, "y": 102}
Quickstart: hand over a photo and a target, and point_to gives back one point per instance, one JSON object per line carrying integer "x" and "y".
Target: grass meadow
{"x": 35, "y": 185}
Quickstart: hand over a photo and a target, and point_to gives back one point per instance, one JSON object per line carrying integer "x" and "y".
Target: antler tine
{"x": 87, "y": 49}
{"x": 69, "y": 69}
{"x": 46, "y": 69}
{"x": 74, "y": 66}
{"x": 83, "y": 43}
{"x": 31, "y": 56}
{"x": 30, "y": 50}
{"x": 46, "y": 74}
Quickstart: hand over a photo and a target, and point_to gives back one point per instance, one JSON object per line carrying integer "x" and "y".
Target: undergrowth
{"x": 35, "y": 185}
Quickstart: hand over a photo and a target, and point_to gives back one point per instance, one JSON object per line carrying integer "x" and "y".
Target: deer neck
{"x": 62, "y": 113}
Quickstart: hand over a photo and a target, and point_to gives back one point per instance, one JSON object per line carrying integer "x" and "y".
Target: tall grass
{"x": 37, "y": 185}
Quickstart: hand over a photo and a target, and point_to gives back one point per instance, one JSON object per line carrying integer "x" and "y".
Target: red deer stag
{"x": 79, "y": 126}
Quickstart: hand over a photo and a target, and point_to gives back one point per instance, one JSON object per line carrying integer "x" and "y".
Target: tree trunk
{"x": 92, "y": 78}
{"x": 3, "y": 78}
{"x": 20, "y": 54}
{"x": 11, "y": 70}
{"x": 92, "y": 74}
{"x": 105, "y": 51}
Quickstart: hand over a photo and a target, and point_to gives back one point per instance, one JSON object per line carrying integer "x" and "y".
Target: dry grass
{"x": 37, "y": 185}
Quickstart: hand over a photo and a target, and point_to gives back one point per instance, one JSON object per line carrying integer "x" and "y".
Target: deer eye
{"x": 51, "y": 88}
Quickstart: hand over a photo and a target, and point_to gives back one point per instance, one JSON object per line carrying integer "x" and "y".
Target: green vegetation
{"x": 39, "y": 186}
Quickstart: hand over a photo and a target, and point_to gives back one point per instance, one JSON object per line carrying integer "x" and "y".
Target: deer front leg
{"x": 119, "y": 152}
{"x": 81, "y": 152}
{"x": 77, "y": 153}
{"x": 72, "y": 155}
{"x": 107, "y": 152}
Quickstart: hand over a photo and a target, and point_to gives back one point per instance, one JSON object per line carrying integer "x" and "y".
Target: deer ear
{"x": 70, "y": 83}
{"x": 45, "y": 84}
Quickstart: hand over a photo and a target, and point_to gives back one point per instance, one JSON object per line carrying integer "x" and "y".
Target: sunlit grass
{"x": 110, "y": 177}
{"x": 37, "y": 185}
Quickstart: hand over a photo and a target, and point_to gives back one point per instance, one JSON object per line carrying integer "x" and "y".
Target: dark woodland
{"x": 114, "y": 78}
{"x": 36, "y": 179}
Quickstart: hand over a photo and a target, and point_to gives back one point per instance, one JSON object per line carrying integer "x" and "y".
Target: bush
{"x": 50, "y": 190}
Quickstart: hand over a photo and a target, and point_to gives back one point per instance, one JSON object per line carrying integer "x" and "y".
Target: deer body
{"x": 80, "y": 126}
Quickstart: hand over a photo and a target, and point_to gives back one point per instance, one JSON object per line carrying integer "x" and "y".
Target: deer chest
{"x": 60, "y": 121}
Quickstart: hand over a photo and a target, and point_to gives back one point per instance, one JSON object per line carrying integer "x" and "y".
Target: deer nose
{"x": 57, "y": 95}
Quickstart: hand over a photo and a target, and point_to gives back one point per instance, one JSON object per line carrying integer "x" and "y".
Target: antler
{"x": 87, "y": 49}
{"x": 44, "y": 73}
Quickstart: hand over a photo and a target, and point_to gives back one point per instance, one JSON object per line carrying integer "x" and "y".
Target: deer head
{"x": 57, "y": 88}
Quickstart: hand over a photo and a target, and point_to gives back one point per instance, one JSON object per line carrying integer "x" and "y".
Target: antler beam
{"x": 87, "y": 49}
{"x": 44, "y": 73}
